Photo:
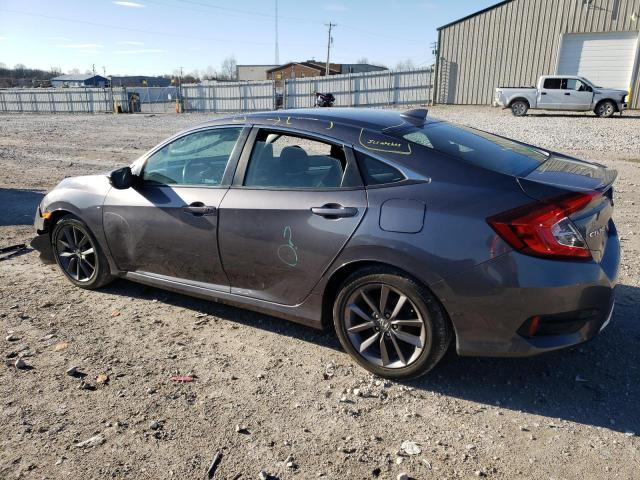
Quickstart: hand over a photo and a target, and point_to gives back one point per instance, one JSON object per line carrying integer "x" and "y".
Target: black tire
{"x": 519, "y": 108}
{"x": 437, "y": 331}
{"x": 605, "y": 109}
{"x": 63, "y": 250}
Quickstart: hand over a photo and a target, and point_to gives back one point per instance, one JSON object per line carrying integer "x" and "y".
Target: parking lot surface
{"x": 270, "y": 395}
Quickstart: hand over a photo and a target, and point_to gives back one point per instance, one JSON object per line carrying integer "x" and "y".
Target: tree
{"x": 228, "y": 68}
{"x": 209, "y": 73}
{"x": 405, "y": 65}
{"x": 363, "y": 60}
{"x": 74, "y": 71}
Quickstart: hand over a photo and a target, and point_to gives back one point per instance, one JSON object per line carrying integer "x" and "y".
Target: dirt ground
{"x": 274, "y": 396}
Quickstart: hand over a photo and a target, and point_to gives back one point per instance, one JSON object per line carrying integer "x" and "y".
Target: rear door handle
{"x": 199, "y": 209}
{"x": 543, "y": 93}
{"x": 334, "y": 211}
{"x": 567, "y": 93}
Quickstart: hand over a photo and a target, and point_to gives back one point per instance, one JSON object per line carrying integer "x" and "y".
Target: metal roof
{"x": 77, "y": 78}
{"x": 475, "y": 14}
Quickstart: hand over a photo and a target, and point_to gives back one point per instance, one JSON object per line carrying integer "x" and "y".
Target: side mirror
{"x": 122, "y": 178}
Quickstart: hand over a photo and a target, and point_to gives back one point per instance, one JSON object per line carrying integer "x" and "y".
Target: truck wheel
{"x": 519, "y": 108}
{"x": 605, "y": 109}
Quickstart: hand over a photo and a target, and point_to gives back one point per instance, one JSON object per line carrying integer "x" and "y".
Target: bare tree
{"x": 209, "y": 73}
{"x": 228, "y": 68}
{"x": 405, "y": 65}
{"x": 363, "y": 60}
{"x": 74, "y": 71}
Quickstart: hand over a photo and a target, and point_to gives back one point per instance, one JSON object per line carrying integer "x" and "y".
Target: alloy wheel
{"x": 605, "y": 110}
{"x": 384, "y": 326}
{"x": 76, "y": 253}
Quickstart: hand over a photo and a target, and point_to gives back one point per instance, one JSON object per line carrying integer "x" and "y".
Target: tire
{"x": 425, "y": 324}
{"x": 71, "y": 239}
{"x": 519, "y": 108}
{"x": 605, "y": 109}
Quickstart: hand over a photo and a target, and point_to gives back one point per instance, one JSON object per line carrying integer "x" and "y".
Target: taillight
{"x": 544, "y": 229}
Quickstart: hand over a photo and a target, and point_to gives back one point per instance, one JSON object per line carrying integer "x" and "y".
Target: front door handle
{"x": 199, "y": 209}
{"x": 332, "y": 210}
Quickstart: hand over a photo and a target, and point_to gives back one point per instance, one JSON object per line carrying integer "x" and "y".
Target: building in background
{"x": 253, "y": 72}
{"x": 514, "y": 42}
{"x": 140, "y": 81}
{"x": 79, "y": 81}
{"x": 312, "y": 68}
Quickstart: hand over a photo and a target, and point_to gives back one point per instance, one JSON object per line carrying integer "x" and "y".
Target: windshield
{"x": 477, "y": 148}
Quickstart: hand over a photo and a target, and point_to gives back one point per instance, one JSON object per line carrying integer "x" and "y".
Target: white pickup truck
{"x": 563, "y": 92}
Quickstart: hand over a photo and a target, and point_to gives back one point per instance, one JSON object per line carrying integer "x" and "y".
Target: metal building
{"x": 513, "y": 42}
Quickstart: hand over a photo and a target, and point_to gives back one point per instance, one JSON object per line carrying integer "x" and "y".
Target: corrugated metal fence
{"x": 229, "y": 97}
{"x": 68, "y": 100}
{"x": 371, "y": 89}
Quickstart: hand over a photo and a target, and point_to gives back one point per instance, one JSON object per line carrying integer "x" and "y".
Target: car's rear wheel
{"x": 390, "y": 323}
{"x": 605, "y": 109}
{"x": 519, "y": 108}
{"x": 78, "y": 254}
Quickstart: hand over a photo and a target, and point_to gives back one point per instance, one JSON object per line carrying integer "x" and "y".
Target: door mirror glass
{"x": 122, "y": 178}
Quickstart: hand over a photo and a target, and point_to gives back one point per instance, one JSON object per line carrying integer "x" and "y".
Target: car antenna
{"x": 417, "y": 116}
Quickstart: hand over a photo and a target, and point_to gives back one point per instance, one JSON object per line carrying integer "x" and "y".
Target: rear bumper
{"x": 492, "y": 304}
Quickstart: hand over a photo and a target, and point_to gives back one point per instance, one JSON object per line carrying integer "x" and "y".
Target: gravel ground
{"x": 278, "y": 397}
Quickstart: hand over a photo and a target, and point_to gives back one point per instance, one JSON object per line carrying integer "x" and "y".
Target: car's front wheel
{"x": 391, "y": 324}
{"x": 605, "y": 109}
{"x": 78, "y": 254}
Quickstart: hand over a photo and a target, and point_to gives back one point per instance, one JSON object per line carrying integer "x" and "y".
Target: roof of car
{"x": 323, "y": 119}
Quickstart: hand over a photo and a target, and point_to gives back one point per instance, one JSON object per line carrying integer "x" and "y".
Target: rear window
{"x": 552, "y": 83}
{"x": 375, "y": 172}
{"x": 477, "y": 148}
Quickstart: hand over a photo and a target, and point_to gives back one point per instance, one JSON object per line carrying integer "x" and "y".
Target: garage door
{"x": 607, "y": 59}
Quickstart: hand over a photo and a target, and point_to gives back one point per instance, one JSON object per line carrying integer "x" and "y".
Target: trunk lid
{"x": 560, "y": 175}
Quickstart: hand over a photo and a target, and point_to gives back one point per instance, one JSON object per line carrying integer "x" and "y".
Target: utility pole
{"x": 329, "y": 41}
{"x": 277, "y": 50}
{"x": 93, "y": 69}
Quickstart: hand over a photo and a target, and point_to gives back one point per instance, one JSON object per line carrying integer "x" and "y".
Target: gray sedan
{"x": 399, "y": 232}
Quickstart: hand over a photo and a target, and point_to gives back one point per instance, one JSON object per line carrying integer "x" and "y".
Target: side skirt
{"x": 307, "y": 313}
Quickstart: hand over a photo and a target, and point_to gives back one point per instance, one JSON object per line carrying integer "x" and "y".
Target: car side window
{"x": 573, "y": 84}
{"x": 552, "y": 83}
{"x": 196, "y": 159}
{"x": 375, "y": 172}
{"x": 280, "y": 160}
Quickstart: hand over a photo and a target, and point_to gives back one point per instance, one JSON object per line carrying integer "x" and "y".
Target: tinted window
{"x": 286, "y": 161}
{"x": 552, "y": 83}
{"x": 196, "y": 159}
{"x": 477, "y": 147}
{"x": 375, "y": 172}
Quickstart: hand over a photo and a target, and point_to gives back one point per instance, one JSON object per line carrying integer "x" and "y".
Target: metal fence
{"x": 68, "y": 100}
{"x": 371, "y": 89}
{"x": 229, "y": 97}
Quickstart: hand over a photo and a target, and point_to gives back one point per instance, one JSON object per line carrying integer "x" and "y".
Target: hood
{"x": 609, "y": 91}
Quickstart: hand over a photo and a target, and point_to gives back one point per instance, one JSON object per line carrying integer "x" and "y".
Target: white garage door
{"x": 607, "y": 59}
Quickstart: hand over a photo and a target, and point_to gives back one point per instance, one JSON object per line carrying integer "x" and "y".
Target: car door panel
{"x": 150, "y": 229}
{"x": 274, "y": 248}
{"x": 168, "y": 223}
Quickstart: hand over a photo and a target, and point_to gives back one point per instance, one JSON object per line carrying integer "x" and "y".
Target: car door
{"x": 550, "y": 95}
{"x": 167, "y": 224}
{"x": 294, "y": 203}
{"x": 577, "y": 95}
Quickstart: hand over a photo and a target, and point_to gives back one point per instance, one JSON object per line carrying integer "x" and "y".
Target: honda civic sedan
{"x": 399, "y": 232}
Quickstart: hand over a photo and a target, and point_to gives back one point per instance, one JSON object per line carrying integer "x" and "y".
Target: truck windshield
{"x": 477, "y": 147}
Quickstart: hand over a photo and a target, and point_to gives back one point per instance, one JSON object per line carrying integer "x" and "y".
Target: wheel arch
{"x": 524, "y": 99}
{"x": 602, "y": 100}
{"x": 339, "y": 275}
